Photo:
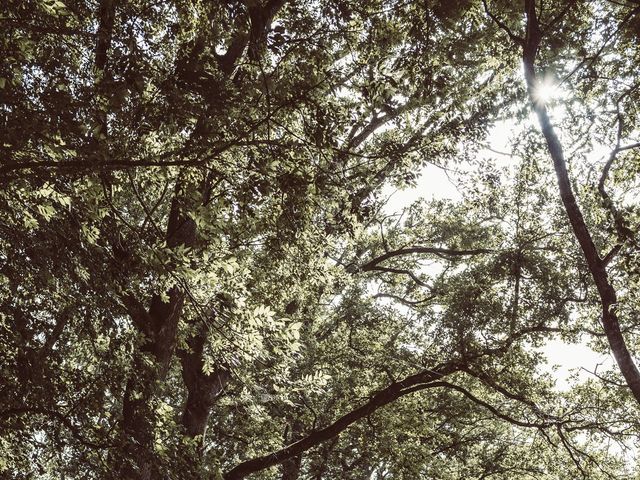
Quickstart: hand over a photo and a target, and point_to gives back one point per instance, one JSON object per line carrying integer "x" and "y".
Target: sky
{"x": 563, "y": 359}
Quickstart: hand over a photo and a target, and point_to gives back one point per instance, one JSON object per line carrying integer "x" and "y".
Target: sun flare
{"x": 546, "y": 91}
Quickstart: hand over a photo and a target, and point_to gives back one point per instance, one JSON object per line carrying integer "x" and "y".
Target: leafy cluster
{"x": 202, "y": 274}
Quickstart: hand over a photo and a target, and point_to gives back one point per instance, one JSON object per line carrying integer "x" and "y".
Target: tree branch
{"x": 619, "y": 222}
{"x": 355, "y": 140}
{"x": 497, "y": 413}
{"x": 441, "y": 252}
{"x": 260, "y": 18}
{"x": 401, "y": 271}
{"x": 419, "y": 381}
{"x": 404, "y": 301}
{"x": 517, "y": 39}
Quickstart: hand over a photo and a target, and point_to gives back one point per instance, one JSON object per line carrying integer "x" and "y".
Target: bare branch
{"x": 441, "y": 252}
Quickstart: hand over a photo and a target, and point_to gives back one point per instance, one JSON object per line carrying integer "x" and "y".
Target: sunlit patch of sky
{"x": 566, "y": 362}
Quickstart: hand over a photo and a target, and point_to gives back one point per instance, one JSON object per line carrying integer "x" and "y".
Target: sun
{"x": 546, "y": 91}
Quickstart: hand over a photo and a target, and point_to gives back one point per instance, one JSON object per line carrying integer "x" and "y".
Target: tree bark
{"x": 291, "y": 466}
{"x": 203, "y": 390}
{"x": 159, "y": 323}
{"x": 106, "y": 16}
{"x": 150, "y": 366}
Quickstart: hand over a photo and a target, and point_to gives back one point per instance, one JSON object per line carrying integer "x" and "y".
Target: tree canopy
{"x": 204, "y": 275}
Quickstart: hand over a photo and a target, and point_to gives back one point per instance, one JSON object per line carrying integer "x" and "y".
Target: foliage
{"x": 202, "y": 274}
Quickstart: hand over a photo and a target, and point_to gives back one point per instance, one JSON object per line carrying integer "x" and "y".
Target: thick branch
{"x": 159, "y": 324}
{"x": 441, "y": 252}
{"x": 383, "y": 397}
{"x": 356, "y": 139}
{"x": 104, "y": 33}
{"x": 202, "y": 389}
{"x": 260, "y": 18}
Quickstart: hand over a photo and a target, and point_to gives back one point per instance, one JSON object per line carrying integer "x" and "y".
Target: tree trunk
{"x": 291, "y": 466}
{"x": 203, "y": 389}
{"x": 151, "y": 364}
{"x": 597, "y": 266}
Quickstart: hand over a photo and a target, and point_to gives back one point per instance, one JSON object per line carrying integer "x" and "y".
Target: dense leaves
{"x": 202, "y": 273}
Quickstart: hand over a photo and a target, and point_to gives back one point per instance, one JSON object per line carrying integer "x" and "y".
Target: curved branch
{"x": 419, "y": 381}
{"x": 404, "y": 301}
{"x": 401, "y": 271}
{"x": 497, "y": 413}
{"x": 517, "y": 39}
{"x": 441, "y": 252}
{"x": 357, "y": 139}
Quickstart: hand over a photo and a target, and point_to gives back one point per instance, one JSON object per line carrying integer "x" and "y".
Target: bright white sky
{"x": 563, "y": 359}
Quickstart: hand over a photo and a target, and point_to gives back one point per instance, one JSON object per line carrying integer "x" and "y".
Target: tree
{"x": 200, "y": 275}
